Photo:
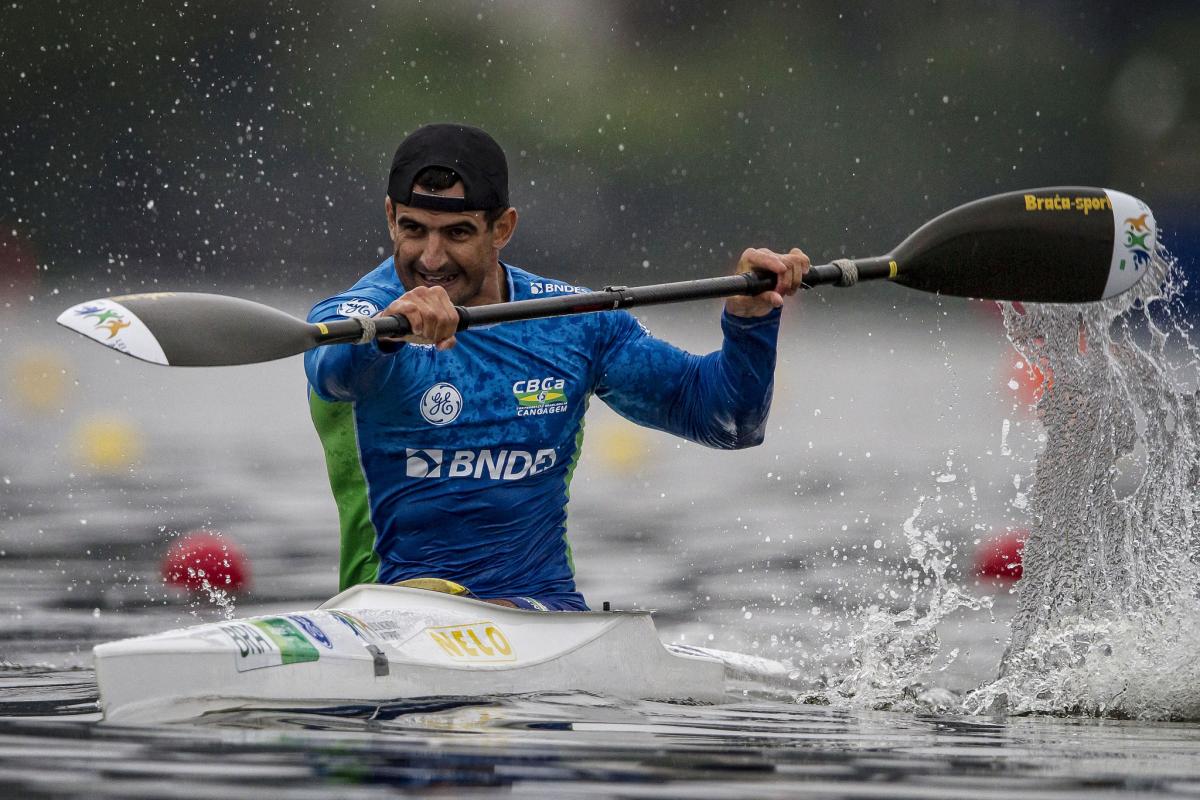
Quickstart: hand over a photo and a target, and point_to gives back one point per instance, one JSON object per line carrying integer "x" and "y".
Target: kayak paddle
{"x": 1057, "y": 245}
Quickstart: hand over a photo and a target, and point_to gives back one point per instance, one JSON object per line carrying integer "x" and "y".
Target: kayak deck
{"x": 374, "y": 644}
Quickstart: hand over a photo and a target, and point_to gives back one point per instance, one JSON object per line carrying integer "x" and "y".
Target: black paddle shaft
{"x": 612, "y": 297}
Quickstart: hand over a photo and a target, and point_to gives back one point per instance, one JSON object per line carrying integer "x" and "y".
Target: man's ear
{"x": 504, "y": 227}
{"x": 389, "y": 208}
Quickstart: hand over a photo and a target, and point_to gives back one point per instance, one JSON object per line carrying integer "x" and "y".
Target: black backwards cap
{"x": 470, "y": 152}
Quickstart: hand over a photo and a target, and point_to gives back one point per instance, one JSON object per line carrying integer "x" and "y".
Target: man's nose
{"x": 435, "y": 256}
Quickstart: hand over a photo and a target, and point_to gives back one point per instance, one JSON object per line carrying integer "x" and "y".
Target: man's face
{"x": 454, "y": 250}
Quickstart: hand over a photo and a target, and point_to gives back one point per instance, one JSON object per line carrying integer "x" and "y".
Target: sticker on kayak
{"x": 312, "y": 629}
{"x": 356, "y": 626}
{"x": 394, "y": 630}
{"x": 268, "y": 642}
{"x": 476, "y": 642}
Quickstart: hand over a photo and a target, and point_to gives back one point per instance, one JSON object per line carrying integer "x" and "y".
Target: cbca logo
{"x": 441, "y": 404}
{"x": 540, "y": 396}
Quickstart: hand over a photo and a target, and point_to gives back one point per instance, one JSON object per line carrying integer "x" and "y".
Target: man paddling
{"x": 450, "y": 459}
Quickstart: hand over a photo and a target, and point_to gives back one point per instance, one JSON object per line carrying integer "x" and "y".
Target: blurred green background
{"x": 245, "y": 145}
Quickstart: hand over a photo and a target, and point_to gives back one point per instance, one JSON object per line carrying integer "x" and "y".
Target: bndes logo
{"x": 423, "y": 463}
{"x": 500, "y": 465}
{"x": 538, "y": 287}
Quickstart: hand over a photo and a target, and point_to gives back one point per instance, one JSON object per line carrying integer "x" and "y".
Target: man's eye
{"x": 410, "y": 227}
{"x": 459, "y": 233}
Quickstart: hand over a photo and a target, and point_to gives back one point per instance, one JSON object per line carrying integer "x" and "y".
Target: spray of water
{"x": 895, "y": 652}
{"x": 1108, "y": 620}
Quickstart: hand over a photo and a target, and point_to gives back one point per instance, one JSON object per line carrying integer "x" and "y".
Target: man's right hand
{"x": 430, "y": 313}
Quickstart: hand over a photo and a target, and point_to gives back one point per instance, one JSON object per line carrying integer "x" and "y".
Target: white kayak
{"x": 374, "y": 644}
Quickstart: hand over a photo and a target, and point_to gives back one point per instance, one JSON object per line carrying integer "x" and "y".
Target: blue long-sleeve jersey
{"x": 457, "y": 464}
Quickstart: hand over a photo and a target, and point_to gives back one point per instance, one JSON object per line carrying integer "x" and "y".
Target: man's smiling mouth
{"x": 437, "y": 278}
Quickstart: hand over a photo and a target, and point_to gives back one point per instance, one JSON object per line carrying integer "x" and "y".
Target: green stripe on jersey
{"x": 335, "y": 425}
{"x": 571, "y": 474}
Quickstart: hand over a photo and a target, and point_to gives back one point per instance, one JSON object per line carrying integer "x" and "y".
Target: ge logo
{"x": 357, "y": 308}
{"x": 441, "y": 404}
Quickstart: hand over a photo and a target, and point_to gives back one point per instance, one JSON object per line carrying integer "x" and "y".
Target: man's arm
{"x": 350, "y": 371}
{"x": 721, "y": 399}
{"x": 345, "y": 372}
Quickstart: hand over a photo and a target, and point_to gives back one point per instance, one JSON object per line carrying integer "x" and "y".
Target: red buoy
{"x": 1027, "y": 381}
{"x": 999, "y": 557}
{"x": 203, "y": 557}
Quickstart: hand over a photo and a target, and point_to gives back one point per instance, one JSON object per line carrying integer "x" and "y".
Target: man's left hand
{"x": 789, "y": 269}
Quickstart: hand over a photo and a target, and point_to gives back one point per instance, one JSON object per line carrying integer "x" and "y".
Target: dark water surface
{"x": 894, "y": 447}
{"x": 584, "y": 747}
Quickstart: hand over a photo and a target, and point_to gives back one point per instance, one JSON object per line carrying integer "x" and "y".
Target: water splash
{"x": 215, "y": 595}
{"x": 893, "y": 654}
{"x": 1108, "y": 622}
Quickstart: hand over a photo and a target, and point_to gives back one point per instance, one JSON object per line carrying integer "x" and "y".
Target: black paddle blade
{"x": 1059, "y": 245}
{"x": 184, "y": 329}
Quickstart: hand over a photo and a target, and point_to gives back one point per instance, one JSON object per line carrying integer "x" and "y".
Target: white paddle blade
{"x": 1135, "y": 235}
{"x": 113, "y": 325}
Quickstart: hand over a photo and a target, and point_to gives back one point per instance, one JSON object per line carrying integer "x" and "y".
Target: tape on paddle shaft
{"x": 368, "y": 330}
{"x": 842, "y": 272}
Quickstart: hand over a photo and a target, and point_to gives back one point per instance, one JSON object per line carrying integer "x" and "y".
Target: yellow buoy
{"x": 38, "y": 380}
{"x": 108, "y": 443}
{"x": 619, "y": 445}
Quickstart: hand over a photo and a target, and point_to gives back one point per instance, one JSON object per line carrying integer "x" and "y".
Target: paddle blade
{"x": 184, "y": 329}
{"x": 1057, "y": 245}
